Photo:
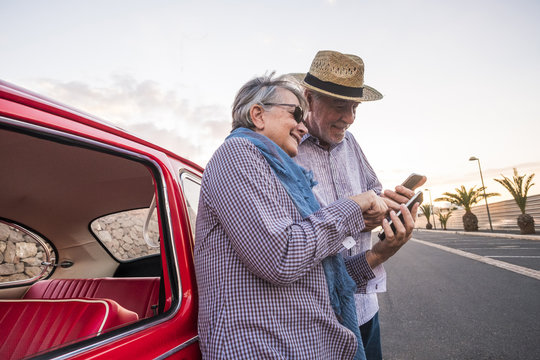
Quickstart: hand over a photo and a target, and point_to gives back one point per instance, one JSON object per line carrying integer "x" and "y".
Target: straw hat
{"x": 338, "y": 75}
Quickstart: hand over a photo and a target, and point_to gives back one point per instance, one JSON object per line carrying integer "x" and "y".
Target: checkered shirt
{"x": 343, "y": 171}
{"x": 262, "y": 288}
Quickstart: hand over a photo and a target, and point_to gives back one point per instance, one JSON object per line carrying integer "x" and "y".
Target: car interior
{"x": 79, "y": 239}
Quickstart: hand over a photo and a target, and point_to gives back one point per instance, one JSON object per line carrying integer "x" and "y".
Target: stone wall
{"x": 20, "y": 255}
{"x": 122, "y": 234}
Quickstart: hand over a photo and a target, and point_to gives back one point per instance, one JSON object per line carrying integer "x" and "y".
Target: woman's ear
{"x": 256, "y": 113}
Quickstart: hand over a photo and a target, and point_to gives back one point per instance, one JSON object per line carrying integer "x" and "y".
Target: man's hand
{"x": 383, "y": 250}
{"x": 401, "y": 195}
{"x": 395, "y": 198}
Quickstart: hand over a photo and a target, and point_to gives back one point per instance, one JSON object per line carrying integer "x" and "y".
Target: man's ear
{"x": 256, "y": 113}
{"x": 309, "y": 98}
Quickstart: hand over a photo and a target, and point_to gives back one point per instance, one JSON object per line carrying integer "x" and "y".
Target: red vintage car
{"x": 96, "y": 238}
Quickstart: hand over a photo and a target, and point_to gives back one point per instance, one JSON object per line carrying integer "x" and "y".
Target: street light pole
{"x": 432, "y": 212}
{"x": 474, "y": 158}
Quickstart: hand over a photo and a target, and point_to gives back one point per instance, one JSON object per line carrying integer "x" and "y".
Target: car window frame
{"x": 167, "y": 234}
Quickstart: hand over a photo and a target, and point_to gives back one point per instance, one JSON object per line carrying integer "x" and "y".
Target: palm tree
{"x": 466, "y": 198}
{"x": 443, "y": 217}
{"x": 519, "y": 191}
{"x": 426, "y": 210}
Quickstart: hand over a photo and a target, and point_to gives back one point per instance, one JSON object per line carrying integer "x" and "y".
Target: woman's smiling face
{"x": 280, "y": 125}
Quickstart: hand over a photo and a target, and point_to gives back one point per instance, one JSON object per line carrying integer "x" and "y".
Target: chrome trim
{"x": 151, "y": 210}
{"x": 186, "y": 173}
{"x": 178, "y": 348}
{"x": 44, "y": 244}
{"x": 167, "y": 220}
{"x": 173, "y": 247}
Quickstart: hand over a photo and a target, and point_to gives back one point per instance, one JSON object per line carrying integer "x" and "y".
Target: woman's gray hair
{"x": 259, "y": 91}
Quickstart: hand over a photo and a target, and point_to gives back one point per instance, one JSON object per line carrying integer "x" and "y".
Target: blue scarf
{"x": 298, "y": 183}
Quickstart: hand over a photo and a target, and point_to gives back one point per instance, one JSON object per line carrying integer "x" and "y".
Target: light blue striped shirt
{"x": 343, "y": 171}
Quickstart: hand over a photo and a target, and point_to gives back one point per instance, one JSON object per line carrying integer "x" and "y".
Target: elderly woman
{"x": 261, "y": 239}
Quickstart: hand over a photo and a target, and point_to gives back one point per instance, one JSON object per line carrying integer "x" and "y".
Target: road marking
{"x": 487, "y": 234}
{"x": 511, "y": 256}
{"x": 497, "y": 248}
{"x": 535, "y": 274}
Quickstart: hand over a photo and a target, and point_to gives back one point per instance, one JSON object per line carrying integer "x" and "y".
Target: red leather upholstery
{"x": 30, "y": 326}
{"x": 136, "y": 294}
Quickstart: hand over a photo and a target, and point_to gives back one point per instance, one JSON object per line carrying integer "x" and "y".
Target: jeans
{"x": 371, "y": 337}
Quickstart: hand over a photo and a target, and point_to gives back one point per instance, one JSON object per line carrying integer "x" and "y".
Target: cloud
{"x": 148, "y": 110}
{"x": 164, "y": 138}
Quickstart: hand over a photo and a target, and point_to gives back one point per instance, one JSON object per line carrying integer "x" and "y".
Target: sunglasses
{"x": 298, "y": 113}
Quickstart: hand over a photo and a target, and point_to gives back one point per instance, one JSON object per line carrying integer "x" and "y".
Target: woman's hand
{"x": 374, "y": 208}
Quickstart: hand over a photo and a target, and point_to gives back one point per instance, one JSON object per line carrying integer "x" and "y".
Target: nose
{"x": 349, "y": 115}
{"x": 302, "y": 129}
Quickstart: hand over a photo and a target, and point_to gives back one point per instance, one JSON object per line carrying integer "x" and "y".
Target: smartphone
{"x": 413, "y": 181}
{"x": 417, "y": 198}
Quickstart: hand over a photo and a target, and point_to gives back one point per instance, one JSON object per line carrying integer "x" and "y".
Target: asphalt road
{"x": 442, "y": 305}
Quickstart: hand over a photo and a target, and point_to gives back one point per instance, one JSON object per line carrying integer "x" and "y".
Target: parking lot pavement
{"x": 516, "y": 249}
{"x": 442, "y": 306}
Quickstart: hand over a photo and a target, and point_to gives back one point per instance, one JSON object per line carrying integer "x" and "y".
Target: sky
{"x": 460, "y": 78}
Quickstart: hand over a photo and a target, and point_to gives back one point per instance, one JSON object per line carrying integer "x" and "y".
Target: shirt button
{"x": 376, "y": 286}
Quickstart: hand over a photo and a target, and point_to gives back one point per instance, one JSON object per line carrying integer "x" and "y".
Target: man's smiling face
{"x": 329, "y": 117}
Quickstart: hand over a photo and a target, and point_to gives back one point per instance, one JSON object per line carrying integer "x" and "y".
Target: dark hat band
{"x": 333, "y": 88}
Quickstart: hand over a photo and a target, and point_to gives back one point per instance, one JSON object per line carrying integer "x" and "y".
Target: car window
{"x": 122, "y": 234}
{"x": 24, "y": 256}
{"x": 191, "y": 185}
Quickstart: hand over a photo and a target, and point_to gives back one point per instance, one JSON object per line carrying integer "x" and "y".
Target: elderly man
{"x": 334, "y": 86}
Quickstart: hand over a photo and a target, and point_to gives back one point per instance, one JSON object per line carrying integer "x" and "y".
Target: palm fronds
{"x": 426, "y": 210}
{"x": 443, "y": 217}
{"x": 517, "y": 188}
{"x": 464, "y": 197}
